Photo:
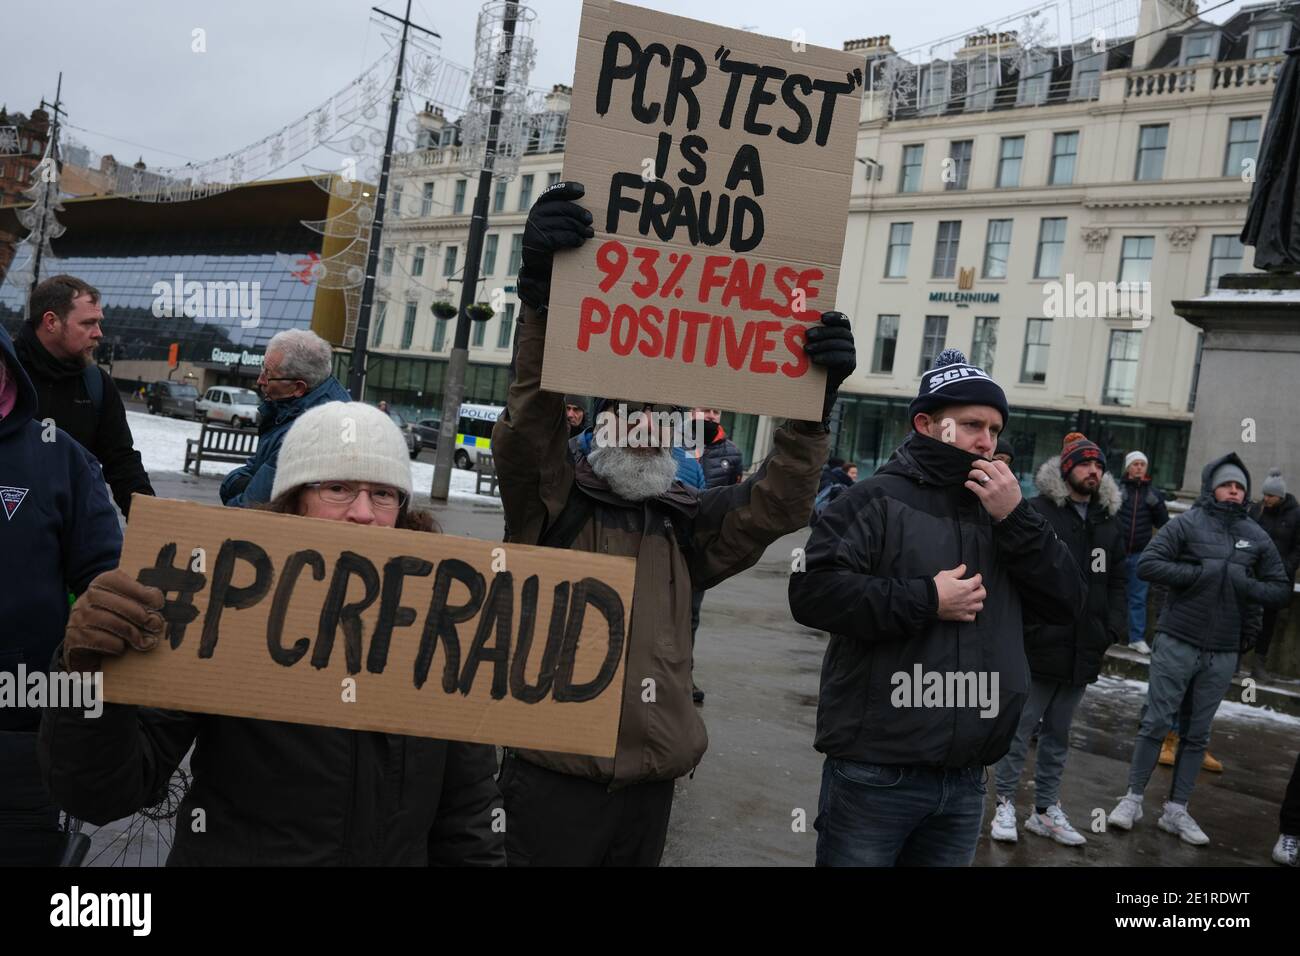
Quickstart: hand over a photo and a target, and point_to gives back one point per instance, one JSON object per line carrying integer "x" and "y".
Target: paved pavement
{"x": 759, "y": 780}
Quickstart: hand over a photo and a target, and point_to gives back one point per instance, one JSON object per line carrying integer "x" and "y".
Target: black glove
{"x": 554, "y": 222}
{"x": 830, "y": 345}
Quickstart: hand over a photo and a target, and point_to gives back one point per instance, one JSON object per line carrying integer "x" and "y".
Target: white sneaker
{"x": 1142, "y": 647}
{"x": 1004, "y": 822}
{"x": 1053, "y": 823}
{"x": 1177, "y": 820}
{"x": 1287, "y": 850}
{"x": 1126, "y": 813}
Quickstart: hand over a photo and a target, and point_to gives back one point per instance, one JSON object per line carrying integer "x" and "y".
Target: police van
{"x": 474, "y": 432}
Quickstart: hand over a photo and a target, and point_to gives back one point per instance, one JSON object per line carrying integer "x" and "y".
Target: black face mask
{"x": 944, "y": 464}
{"x": 711, "y": 430}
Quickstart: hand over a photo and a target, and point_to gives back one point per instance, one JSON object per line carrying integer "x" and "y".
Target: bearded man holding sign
{"x": 566, "y": 809}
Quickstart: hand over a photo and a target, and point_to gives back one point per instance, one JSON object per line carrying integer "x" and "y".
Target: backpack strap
{"x": 94, "y": 380}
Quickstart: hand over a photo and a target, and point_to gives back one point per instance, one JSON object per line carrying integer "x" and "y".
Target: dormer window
{"x": 1199, "y": 48}
{"x": 1085, "y": 79}
{"x": 1034, "y": 79}
{"x": 1268, "y": 39}
{"x": 981, "y": 83}
{"x": 934, "y": 87}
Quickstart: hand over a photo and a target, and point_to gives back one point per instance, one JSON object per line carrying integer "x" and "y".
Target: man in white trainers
{"x": 1079, "y": 500}
{"x": 1215, "y": 561}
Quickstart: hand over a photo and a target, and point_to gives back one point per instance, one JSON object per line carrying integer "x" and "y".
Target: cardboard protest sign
{"x": 281, "y": 617}
{"x": 717, "y": 165}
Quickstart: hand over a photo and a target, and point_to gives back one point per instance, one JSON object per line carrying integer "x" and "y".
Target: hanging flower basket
{"x": 480, "y": 312}
{"x": 444, "y": 310}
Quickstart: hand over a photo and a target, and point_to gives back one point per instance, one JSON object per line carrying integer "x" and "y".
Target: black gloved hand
{"x": 830, "y": 345}
{"x": 554, "y": 222}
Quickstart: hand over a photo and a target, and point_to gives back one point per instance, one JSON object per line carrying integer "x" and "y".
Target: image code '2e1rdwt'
{"x": 284, "y": 618}
{"x": 717, "y": 165}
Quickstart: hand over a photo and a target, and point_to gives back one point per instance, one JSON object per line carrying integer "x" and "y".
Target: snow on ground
{"x": 1107, "y": 684}
{"x": 161, "y": 444}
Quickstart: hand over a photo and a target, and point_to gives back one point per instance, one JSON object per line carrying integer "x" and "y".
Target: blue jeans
{"x": 873, "y": 815}
{"x": 1137, "y": 600}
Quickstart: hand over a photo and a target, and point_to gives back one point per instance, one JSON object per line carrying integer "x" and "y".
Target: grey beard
{"x": 633, "y": 476}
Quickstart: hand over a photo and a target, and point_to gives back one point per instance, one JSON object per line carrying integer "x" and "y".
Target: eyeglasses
{"x": 382, "y": 497}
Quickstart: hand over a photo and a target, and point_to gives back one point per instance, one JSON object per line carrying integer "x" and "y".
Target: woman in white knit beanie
{"x": 275, "y": 793}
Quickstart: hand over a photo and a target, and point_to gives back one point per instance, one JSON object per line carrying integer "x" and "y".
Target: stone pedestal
{"x": 1248, "y": 394}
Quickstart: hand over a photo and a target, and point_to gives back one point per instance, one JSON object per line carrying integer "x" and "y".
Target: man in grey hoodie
{"x": 1215, "y": 561}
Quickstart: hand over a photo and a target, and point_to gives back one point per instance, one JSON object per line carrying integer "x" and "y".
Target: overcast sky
{"x": 129, "y": 71}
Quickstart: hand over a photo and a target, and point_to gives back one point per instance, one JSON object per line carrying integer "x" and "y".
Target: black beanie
{"x": 953, "y": 381}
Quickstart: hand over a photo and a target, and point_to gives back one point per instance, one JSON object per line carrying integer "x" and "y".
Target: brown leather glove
{"x": 116, "y": 612}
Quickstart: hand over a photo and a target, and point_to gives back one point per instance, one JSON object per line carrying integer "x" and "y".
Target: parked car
{"x": 427, "y": 429}
{"x": 413, "y": 442}
{"x": 173, "y": 399}
{"x": 474, "y": 432}
{"x": 231, "y": 404}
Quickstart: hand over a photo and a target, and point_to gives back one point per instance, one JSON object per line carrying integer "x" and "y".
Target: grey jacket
{"x": 1216, "y": 562}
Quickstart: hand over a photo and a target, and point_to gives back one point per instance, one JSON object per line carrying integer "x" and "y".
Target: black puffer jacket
{"x": 1215, "y": 561}
{"x": 1282, "y": 524}
{"x": 1141, "y": 514}
{"x": 280, "y": 794}
{"x": 870, "y": 564}
{"x": 1072, "y": 652}
{"x": 721, "y": 461}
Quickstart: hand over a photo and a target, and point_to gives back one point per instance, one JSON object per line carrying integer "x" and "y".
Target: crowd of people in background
{"x": 936, "y": 560}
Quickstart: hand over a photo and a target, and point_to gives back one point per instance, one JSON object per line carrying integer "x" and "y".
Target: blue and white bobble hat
{"x": 954, "y": 381}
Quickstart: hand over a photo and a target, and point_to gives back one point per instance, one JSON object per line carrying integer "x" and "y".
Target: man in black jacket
{"x": 1141, "y": 515}
{"x": 1216, "y": 563}
{"x": 1279, "y": 515}
{"x": 57, "y": 348}
{"x": 920, "y": 574}
{"x": 1079, "y": 500}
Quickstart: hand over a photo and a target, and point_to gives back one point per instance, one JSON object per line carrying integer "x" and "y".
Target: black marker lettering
{"x": 440, "y": 624}
{"x": 293, "y": 566}
{"x": 224, "y": 596}
{"x": 334, "y": 612}
{"x": 520, "y": 689}
{"x": 498, "y": 612}
{"x": 392, "y": 613}
{"x": 606, "y": 600}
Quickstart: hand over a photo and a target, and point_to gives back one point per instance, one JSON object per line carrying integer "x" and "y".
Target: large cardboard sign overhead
{"x": 321, "y": 622}
{"x": 718, "y": 166}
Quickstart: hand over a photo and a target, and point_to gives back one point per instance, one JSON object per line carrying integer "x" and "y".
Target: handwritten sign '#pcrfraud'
{"x": 717, "y": 167}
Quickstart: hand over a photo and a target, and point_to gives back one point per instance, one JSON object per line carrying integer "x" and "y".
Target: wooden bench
{"x": 220, "y": 443}
{"x": 486, "y": 470}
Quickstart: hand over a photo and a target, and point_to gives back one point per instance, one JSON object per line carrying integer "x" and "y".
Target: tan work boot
{"x": 1169, "y": 749}
{"x": 1209, "y": 763}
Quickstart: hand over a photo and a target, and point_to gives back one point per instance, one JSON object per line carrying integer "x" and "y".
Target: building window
{"x": 1225, "y": 257}
{"x": 417, "y": 261}
{"x": 458, "y": 204}
{"x": 552, "y": 179}
{"x": 1065, "y": 149}
{"x": 1086, "y": 78}
{"x": 480, "y": 329}
{"x": 997, "y": 246}
{"x": 1051, "y": 247}
{"x": 1034, "y": 77}
{"x": 439, "y": 334}
{"x": 985, "y": 343}
{"x": 395, "y": 207}
{"x": 900, "y": 244}
{"x": 378, "y": 335}
{"x": 516, "y": 254}
{"x": 426, "y": 200}
{"x": 936, "y": 330}
{"x": 1267, "y": 41}
{"x": 1013, "y": 153}
{"x": 981, "y": 83}
{"x": 408, "y": 325}
{"x": 499, "y": 196}
{"x": 909, "y": 180}
{"x": 507, "y": 331}
{"x": 1121, "y": 368}
{"x": 525, "y": 193}
{"x": 934, "y": 87}
{"x": 449, "y": 262}
{"x": 882, "y": 356}
{"x": 1243, "y": 145}
{"x": 1038, "y": 338}
{"x": 1199, "y": 48}
{"x": 1151, "y": 152}
{"x": 945, "y": 249}
{"x": 490, "y": 254}
{"x": 1135, "y": 258}
{"x": 387, "y": 265}
{"x": 956, "y": 174}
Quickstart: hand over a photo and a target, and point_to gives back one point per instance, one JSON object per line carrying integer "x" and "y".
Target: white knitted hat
{"x": 1132, "y": 457}
{"x": 342, "y": 441}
